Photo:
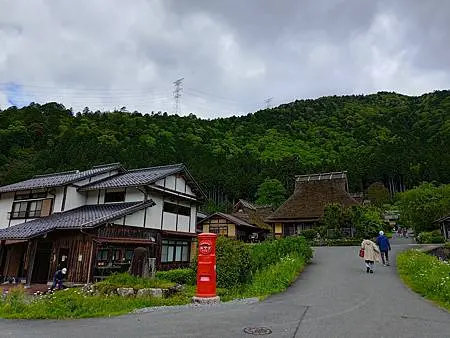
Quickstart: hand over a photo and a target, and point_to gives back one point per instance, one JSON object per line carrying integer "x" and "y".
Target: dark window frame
{"x": 217, "y": 229}
{"x": 177, "y": 209}
{"x": 114, "y": 196}
{"x": 184, "y": 246}
{"x": 28, "y": 212}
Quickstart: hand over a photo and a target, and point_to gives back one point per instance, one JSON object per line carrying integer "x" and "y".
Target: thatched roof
{"x": 311, "y": 196}
{"x": 252, "y": 213}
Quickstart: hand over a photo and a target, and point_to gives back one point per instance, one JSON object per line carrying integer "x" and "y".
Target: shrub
{"x": 430, "y": 237}
{"x": 233, "y": 262}
{"x": 270, "y": 252}
{"x": 277, "y": 278}
{"x": 180, "y": 276}
{"x": 125, "y": 280}
{"x": 310, "y": 234}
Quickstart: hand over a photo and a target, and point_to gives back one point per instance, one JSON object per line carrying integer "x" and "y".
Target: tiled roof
{"x": 58, "y": 179}
{"x": 136, "y": 177}
{"x": 230, "y": 218}
{"x": 87, "y": 216}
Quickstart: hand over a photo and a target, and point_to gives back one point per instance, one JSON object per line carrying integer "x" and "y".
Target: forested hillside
{"x": 397, "y": 139}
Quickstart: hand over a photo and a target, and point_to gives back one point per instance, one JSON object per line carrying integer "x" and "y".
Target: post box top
{"x": 207, "y": 235}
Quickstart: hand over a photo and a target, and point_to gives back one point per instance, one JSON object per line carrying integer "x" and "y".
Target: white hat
{"x": 64, "y": 271}
{"x": 381, "y": 233}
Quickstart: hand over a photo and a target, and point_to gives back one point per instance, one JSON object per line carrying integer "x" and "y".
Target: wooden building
{"x": 96, "y": 220}
{"x": 306, "y": 206}
{"x": 252, "y": 213}
{"x": 229, "y": 226}
{"x": 444, "y": 224}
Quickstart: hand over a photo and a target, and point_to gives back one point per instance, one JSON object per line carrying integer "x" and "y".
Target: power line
{"x": 268, "y": 101}
{"x": 177, "y": 94}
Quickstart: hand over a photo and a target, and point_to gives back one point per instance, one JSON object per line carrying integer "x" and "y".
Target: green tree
{"x": 421, "y": 206}
{"x": 378, "y": 194}
{"x": 271, "y": 192}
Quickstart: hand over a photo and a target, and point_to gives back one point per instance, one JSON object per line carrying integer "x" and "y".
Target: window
{"x": 174, "y": 251}
{"x": 114, "y": 196}
{"x": 29, "y": 209}
{"x": 219, "y": 229}
{"x": 117, "y": 255}
{"x": 129, "y": 255}
{"x": 35, "y": 208}
{"x": 177, "y": 209}
{"x": 102, "y": 255}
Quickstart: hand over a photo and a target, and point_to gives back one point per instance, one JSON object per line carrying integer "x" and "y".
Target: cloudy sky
{"x": 233, "y": 54}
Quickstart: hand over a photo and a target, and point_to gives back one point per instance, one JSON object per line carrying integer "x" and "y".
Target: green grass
{"x": 269, "y": 276}
{"x": 72, "y": 303}
{"x": 124, "y": 280}
{"x": 426, "y": 275}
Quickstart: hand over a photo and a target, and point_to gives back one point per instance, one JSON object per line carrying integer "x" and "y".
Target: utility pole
{"x": 177, "y": 94}
{"x": 268, "y": 102}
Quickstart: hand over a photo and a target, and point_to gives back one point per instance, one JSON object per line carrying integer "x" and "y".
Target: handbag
{"x": 361, "y": 252}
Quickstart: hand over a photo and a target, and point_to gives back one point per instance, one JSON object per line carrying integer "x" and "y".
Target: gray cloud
{"x": 233, "y": 54}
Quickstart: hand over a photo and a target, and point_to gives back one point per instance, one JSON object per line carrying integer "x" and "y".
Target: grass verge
{"x": 426, "y": 275}
{"x": 72, "y": 303}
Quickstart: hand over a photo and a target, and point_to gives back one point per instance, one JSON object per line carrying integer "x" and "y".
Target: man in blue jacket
{"x": 385, "y": 247}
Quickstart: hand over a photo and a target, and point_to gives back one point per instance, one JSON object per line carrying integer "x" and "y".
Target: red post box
{"x": 206, "y": 269}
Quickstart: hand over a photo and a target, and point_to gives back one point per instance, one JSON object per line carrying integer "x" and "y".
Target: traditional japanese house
{"x": 91, "y": 221}
{"x": 229, "y": 226}
{"x": 306, "y": 206}
{"x": 253, "y": 214}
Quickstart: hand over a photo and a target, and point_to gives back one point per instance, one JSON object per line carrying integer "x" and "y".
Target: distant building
{"x": 306, "y": 206}
{"x": 444, "y": 224}
{"x": 246, "y": 222}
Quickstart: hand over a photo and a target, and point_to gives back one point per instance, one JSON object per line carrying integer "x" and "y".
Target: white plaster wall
{"x": 74, "y": 198}
{"x": 183, "y": 223}
{"x": 57, "y": 203}
{"x": 189, "y": 190}
{"x": 6, "y": 202}
{"x": 169, "y": 221}
{"x": 133, "y": 195}
{"x": 180, "y": 184}
{"x": 193, "y": 217}
{"x": 160, "y": 183}
{"x": 170, "y": 182}
{"x": 154, "y": 213}
{"x": 135, "y": 219}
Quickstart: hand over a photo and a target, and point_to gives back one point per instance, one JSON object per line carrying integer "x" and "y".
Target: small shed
{"x": 444, "y": 224}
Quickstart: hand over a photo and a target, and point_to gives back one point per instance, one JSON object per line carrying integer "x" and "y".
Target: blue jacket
{"x": 383, "y": 243}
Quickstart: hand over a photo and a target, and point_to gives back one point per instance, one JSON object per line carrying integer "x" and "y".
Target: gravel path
{"x": 334, "y": 297}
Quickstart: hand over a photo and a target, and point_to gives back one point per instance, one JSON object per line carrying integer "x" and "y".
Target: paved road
{"x": 334, "y": 297}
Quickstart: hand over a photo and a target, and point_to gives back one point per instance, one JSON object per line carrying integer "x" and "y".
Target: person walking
{"x": 385, "y": 247}
{"x": 371, "y": 254}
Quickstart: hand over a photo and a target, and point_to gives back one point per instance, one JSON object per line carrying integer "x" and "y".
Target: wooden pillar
{"x": 31, "y": 256}
{"x": 92, "y": 262}
{"x": 2, "y": 257}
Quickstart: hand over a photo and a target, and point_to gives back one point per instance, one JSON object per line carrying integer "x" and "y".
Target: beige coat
{"x": 371, "y": 251}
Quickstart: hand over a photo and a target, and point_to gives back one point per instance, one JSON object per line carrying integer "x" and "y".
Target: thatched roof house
{"x": 307, "y": 204}
{"x": 253, "y": 213}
